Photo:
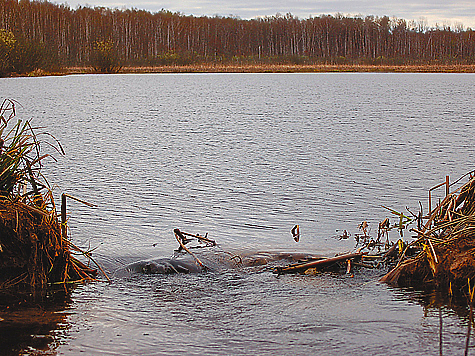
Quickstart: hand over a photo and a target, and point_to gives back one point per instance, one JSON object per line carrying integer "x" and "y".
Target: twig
{"x": 179, "y": 237}
{"x": 201, "y": 238}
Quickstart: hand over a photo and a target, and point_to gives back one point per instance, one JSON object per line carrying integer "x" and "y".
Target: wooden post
{"x": 447, "y": 192}
{"x": 430, "y": 207}
{"x": 64, "y": 230}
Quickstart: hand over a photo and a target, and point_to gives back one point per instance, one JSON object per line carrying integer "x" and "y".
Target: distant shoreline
{"x": 276, "y": 68}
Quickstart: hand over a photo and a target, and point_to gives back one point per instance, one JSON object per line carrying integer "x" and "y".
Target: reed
{"x": 446, "y": 242}
{"x": 34, "y": 254}
{"x": 286, "y": 68}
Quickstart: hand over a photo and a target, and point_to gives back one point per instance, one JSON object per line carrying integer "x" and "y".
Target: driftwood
{"x": 183, "y": 241}
{"x": 317, "y": 264}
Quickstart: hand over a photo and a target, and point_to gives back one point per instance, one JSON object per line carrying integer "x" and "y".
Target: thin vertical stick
{"x": 64, "y": 231}
{"x": 447, "y": 186}
{"x": 430, "y": 203}
{"x": 470, "y": 319}
{"x": 440, "y": 331}
{"x": 470, "y": 316}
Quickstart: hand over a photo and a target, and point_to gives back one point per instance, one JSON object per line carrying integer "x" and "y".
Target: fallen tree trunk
{"x": 318, "y": 264}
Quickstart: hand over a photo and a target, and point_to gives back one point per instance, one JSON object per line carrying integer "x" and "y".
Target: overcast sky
{"x": 431, "y": 11}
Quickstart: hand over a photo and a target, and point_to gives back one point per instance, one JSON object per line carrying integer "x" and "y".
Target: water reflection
{"x": 33, "y": 327}
{"x": 445, "y": 315}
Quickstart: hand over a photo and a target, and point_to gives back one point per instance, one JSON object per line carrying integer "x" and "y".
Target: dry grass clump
{"x": 34, "y": 253}
{"x": 288, "y": 68}
{"x": 447, "y": 245}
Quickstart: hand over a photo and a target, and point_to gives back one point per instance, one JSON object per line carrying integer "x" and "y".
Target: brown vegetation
{"x": 293, "y": 68}
{"x": 446, "y": 242}
{"x": 270, "y": 68}
{"x": 33, "y": 253}
{"x": 34, "y": 250}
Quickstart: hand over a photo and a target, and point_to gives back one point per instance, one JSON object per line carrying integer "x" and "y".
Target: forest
{"x": 41, "y": 34}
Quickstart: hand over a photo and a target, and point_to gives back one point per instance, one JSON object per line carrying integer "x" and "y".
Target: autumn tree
{"x": 27, "y": 56}
{"x": 104, "y": 58}
{"x": 7, "y": 43}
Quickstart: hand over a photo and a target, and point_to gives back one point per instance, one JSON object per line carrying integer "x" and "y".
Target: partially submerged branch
{"x": 302, "y": 267}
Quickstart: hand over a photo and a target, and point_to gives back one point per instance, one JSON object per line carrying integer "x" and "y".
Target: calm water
{"x": 245, "y": 157}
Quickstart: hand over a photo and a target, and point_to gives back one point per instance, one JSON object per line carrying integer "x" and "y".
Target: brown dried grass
{"x": 450, "y": 229}
{"x": 282, "y": 68}
{"x": 34, "y": 254}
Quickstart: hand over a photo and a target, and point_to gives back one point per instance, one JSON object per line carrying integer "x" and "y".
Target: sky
{"x": 431, "y": 12}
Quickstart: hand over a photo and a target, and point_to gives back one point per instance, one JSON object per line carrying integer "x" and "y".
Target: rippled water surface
{"x": 245, "y": 157}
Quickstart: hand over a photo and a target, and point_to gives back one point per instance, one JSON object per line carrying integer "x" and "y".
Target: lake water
{"x": 245, "y": 157}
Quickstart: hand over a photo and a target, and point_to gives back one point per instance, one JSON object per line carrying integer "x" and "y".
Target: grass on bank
{"x": 269, "y": 68}
{"x": 34, "y": 253}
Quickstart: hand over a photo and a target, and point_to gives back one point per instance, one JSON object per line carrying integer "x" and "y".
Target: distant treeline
{"x": 82, "y": 36}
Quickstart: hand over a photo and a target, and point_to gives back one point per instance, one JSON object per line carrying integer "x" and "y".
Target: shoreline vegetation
{"x": 266, "y": 68}
{"x": 445, "y": 244}
{"x": 278, "y": 68}
{"x": 35, "y": 251}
